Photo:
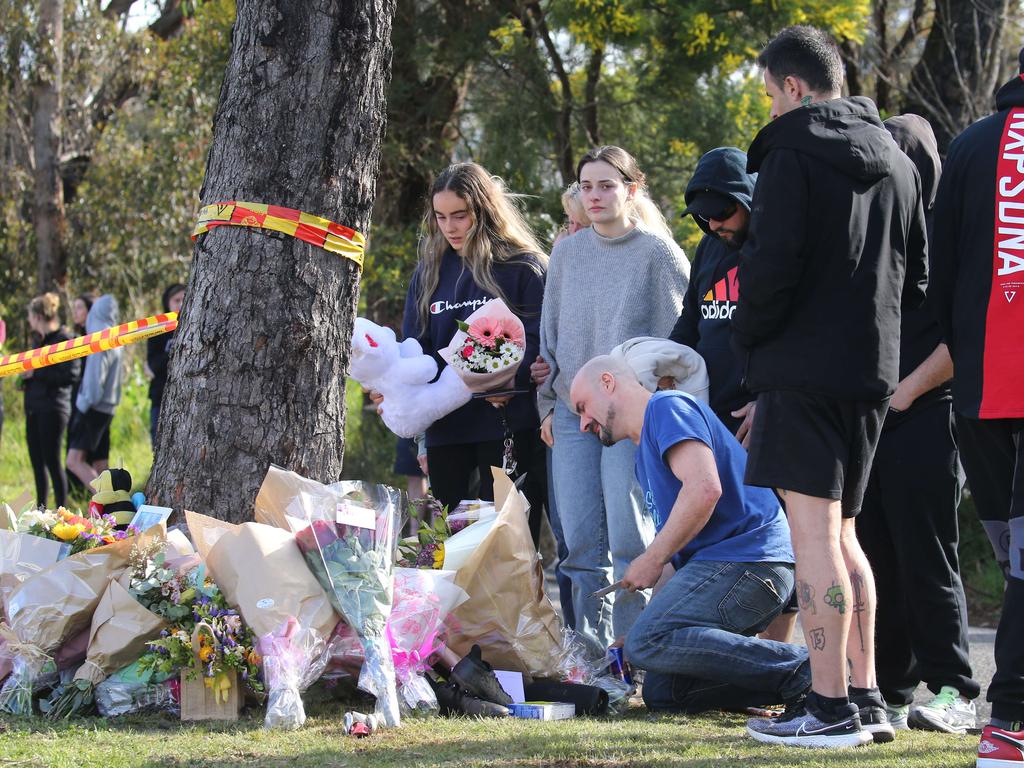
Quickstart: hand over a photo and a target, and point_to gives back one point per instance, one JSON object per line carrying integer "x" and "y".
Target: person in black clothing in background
{"x": 475, "y": 247}
{"x": 908, "y": 524}
{"x": 79, "y": 313}
{"x": 158, "y": 354}
{"x": 837, "y": 242}
{"x": 48, "y": 403}
{"x": 718, "y": 197}
{"x": 977, "y": 289}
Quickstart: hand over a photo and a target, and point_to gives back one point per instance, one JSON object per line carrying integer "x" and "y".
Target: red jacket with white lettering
{"x": 977, "y": 260}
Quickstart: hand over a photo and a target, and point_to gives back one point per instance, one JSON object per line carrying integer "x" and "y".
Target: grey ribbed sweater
{"x": 601, "y": 291}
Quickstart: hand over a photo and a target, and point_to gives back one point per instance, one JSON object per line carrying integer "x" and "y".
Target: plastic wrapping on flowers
{"x": 348, "y": 544}
{"x": 576, "y": 665}
{"x": 293, "y": 659}
{"x": 423, "y": 599}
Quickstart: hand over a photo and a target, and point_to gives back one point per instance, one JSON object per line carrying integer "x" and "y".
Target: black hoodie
{"x": 920, "y": 333}
{"x": 978, "y": 279}
{"x": 837, "y": 243}
{"x": 711, "y": 296}
{"x": 48, "y": 390}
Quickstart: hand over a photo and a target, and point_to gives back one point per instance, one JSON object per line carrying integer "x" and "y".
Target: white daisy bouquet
{"x": 488, "y": 348}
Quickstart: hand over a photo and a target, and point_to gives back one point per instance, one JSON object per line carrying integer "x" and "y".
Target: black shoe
{"x": 476, "y": 676}
{"x": 873, "y": 718}
{"x": 455, "y": 701}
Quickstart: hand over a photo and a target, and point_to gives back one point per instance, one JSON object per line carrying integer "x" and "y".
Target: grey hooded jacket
{"x": 101, "y": 381}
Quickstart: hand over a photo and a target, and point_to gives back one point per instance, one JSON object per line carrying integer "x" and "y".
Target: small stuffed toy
{"x": 405, "y": 377}
{"x": 113, "y": 496}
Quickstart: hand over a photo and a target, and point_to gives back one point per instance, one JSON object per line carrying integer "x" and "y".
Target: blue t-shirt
{"x": 747, "y": 525}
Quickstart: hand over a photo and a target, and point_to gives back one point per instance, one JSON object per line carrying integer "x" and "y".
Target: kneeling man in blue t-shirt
{"x": 722, "y": 557}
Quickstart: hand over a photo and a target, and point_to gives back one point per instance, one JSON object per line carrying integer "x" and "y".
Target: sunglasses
{"x": 720, "y": 216}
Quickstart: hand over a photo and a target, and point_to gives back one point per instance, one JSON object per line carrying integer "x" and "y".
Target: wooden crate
{"x": 198, "y": 701}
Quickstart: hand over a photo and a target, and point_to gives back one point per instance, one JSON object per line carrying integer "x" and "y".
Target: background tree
{"x": 257, "y": 372}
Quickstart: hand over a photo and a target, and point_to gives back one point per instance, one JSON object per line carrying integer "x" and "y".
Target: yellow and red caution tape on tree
{"x": 311, "y": 229}
{"x": 101, "y": 341}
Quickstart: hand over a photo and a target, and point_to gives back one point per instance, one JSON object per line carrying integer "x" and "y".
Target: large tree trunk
{"x": 257, "y": 372}
{"x": 963, "y": 64}
{"x": 48, "y": 207}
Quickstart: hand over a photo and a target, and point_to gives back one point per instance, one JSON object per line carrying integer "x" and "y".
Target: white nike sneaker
{"x": 948, "y": 712}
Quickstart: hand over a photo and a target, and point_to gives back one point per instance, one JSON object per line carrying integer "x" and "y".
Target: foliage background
{"x": 521, "y": 86}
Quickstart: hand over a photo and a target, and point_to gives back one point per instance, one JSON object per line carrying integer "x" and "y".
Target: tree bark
{"x": 963, "y": 64}
{"x": 257, "y": 371}
{"x": 48, "y": 205}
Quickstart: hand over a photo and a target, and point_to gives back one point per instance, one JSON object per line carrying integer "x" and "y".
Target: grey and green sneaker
{"x": 948, "y": 712}
{"x": 898, "y": 716}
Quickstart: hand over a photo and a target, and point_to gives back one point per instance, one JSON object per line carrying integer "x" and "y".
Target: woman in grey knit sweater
{"x": 618, "y": 279}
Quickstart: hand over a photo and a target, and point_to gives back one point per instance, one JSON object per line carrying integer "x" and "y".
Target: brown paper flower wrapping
{"x": 121, "y": 627}
{"x": 507, "y": 613}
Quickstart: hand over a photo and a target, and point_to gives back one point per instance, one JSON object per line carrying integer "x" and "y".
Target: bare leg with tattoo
{"x": 860, "y": 647}
{"x": 822, "y": 586}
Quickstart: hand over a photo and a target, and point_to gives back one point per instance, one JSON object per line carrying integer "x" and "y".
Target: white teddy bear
{"x": 404, "y": 376}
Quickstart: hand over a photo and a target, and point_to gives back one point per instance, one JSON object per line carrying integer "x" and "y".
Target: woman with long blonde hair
{"x": 476, "y": 246}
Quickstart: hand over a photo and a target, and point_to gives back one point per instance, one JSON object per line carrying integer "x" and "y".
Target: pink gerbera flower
{"x": 512, "y": 331}
{"x": 485, "y": 331}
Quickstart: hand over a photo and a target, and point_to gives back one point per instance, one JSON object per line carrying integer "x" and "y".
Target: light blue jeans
{"x": 602, "y": 513}
{"x": 696, "y": 639}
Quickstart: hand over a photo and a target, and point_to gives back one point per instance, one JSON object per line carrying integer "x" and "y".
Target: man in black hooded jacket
{"x": 718, "y": 197}
{"x": 908, "y": 525}
{"x": 978, "y": 291}
{"x": 837, "y": 243}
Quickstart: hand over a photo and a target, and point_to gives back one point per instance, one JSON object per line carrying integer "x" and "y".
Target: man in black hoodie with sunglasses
{"x": 836, "y": 245}
{"x": 978, "y": 291}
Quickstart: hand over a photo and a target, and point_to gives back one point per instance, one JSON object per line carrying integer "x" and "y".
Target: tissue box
{"x": 543, "y": 710}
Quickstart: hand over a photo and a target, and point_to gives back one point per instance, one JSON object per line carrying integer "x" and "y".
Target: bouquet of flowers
{"x": 426, "y": 548}
{"x": 423, "y": 600}
{"x": 80, "y": 532}
{"x": 51, "y": 607}
{"x": 294, "y": 657}
{"x": 349, "y": 547}
{"x": 188, "y": 599}
{"x": 488, "y": 348}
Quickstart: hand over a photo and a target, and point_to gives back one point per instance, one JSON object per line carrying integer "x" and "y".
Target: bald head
{"x": 595, "y": 368}
{"x": 604, "y": 391}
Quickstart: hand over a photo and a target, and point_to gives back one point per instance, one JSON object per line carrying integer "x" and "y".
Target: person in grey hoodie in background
{"x": 98, "y": 398}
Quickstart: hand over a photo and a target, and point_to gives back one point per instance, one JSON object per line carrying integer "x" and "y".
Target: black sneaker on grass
{"x": 455, "y": 701}
{"x": 873, "y": 717}
{"x": 477, "y": 677}
{"x": 804, "y": 726}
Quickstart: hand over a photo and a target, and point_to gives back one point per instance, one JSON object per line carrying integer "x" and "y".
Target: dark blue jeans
{"x": 695, "y": 639}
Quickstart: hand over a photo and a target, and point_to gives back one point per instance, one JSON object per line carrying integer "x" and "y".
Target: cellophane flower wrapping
{"x": 574, "y": 663}
{"x": 423, "y": 600}
{"x": 293, "y": 659}
{"x": 348, "y": 542}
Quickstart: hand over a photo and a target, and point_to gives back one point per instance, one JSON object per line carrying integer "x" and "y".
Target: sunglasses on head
{"x": 722, "y": 215}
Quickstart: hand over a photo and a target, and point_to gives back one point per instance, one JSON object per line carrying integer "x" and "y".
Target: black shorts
{"x": 815, "y": 445}
{"x": 91, "y": 433}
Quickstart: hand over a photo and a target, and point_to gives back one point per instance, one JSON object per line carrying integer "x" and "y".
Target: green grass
{"x": 636, "y": 739}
